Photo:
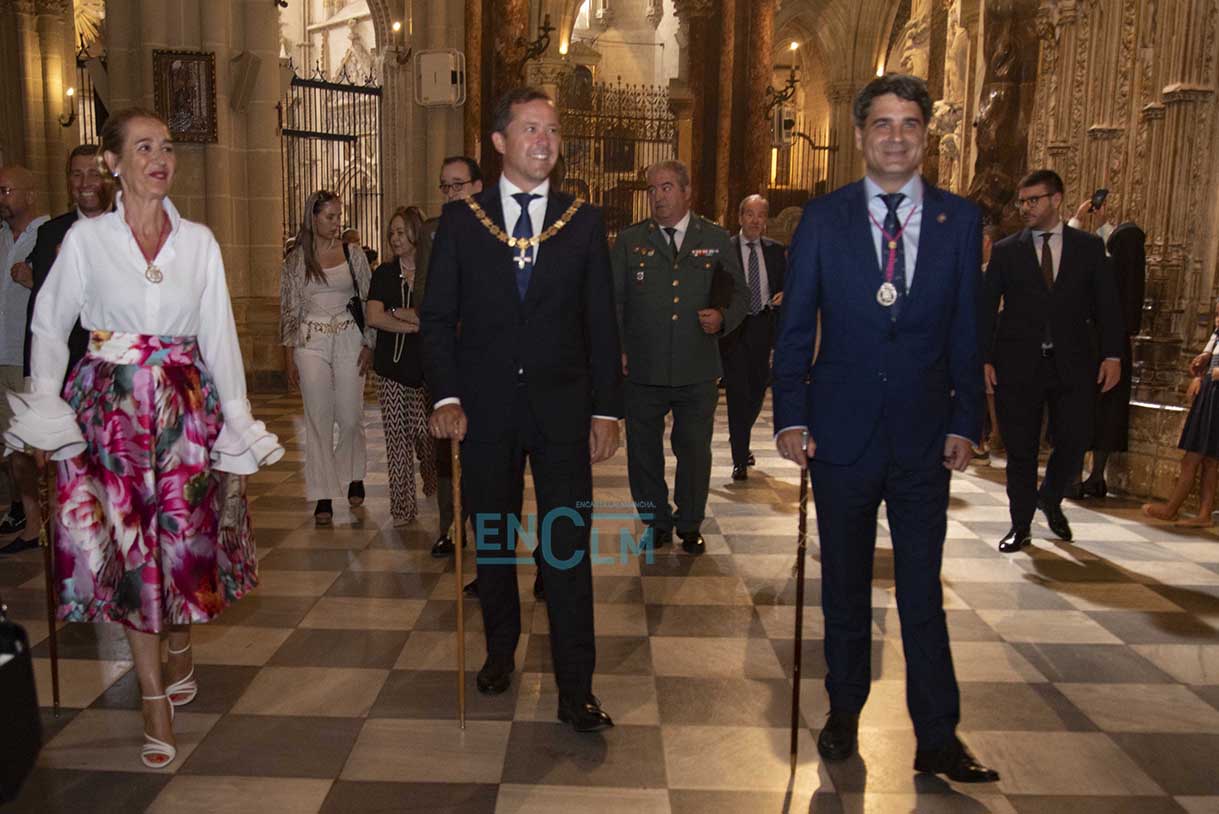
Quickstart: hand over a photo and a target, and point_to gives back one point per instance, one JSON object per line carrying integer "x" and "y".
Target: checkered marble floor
{"x": 1089, "y": 671}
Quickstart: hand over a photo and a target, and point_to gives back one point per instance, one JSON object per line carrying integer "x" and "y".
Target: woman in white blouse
{"x": 150, "y": 532}
{"x": 327, "y": 355}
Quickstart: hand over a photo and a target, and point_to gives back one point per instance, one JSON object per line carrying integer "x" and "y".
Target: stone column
{"x": 723, "y": 136}
{"x": 847, "y": 165}
{"x": 51, "y": 16}
{"x": 472, "y": 116}
{"x": 760, "y": 73}
{"x": 509, "y": 25}
{"x": 699, "y": 57}
{"x": 123, "y": 54}
{"x": 33, "y": 92}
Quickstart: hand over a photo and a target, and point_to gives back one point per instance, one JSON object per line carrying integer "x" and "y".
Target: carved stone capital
{"x": 22, "y": 6}
{"x": 53, "y": 7}
{"x": 1098, "y": 132}
{"x": 694, "y": 9}
{"x": 1152, "y": 112}
{"x": 547, "y": 71}
{"x": 841, "y": 92}
{"x": 1059, "y": 148}
{"x": 655, "y": 12}
{"x": 1179, "y": 93}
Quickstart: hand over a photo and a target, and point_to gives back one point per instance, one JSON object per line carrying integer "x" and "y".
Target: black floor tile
{"x": 316, "y": 647}
{"x": 407, "y": 798}
{"x": 553, "y": 754}
{"x": 274, "y": 746}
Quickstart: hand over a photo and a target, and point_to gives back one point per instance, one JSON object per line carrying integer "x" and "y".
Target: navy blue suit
{"x": 880, "y": 400}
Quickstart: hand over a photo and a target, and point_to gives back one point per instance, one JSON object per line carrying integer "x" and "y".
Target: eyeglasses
{"x": 1031, "y": 200}
{"x": 455, "y": 186}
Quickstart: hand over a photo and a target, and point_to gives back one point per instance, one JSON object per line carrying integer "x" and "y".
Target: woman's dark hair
{"x": 502, "y": 115}
{"x": 903, "y": 86}
{"x": 304, "y": 241}
{"x": 114, "y": 135}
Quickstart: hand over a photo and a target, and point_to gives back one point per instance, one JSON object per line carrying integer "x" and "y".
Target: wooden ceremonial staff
{"x": 459, "y": 531}
{"x": 46, "y": 540}
{"x": 801, "y": 538}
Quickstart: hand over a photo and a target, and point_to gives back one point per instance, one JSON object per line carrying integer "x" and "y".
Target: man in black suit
{"x": 1039, "y": 351}
{"x": 746, "y": 351}
{"x": 90, "y": 198}
{"x": 534, "y": 373}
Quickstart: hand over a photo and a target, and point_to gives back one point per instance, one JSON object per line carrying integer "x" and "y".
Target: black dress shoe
{"x": 1095, "y": 488}
{"x": 658, "y": 538}
{"x": 750, "y": 461}
{"x": 954, "y": 762}
{"x": 443, "y": 547}
{"x": 840, "y": 737}
{"x": 1074, "y": 492}
{"x": 1056, "y": 520}
{"x": 495, "y": 676}
{"x": 693, "y": 543}
{"x": 14, "y": 520}
{"x": 1014, "y": 540}
{"x": 17, "y": 546}
{"x": 471, "y": 589}
{"x": 585, "y": 717}
{"x": 740, "y": 472}
{"x": 539, "y": 590}
{"x": 355, "y": 493}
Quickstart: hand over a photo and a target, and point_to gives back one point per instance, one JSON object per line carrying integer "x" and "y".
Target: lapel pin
{"x": 941, "y": 218}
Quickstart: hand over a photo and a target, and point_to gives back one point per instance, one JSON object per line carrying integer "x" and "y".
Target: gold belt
{"x": 332, "y": 327}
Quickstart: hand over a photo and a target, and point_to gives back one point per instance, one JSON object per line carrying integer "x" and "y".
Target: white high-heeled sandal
{"x": 187, "y": 686}
{"x": 154, "y": 748}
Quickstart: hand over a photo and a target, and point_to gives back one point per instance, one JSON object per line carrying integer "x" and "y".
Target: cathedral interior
{"x": 1092, "y": 671}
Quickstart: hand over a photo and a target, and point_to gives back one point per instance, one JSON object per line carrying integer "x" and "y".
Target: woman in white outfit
{"x": 327, "y": 353}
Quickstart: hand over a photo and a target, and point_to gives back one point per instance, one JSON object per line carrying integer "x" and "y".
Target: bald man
{"x": 20, "y": 217}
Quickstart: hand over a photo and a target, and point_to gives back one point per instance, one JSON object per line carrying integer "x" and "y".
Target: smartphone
{"x": 1098, "y": 199}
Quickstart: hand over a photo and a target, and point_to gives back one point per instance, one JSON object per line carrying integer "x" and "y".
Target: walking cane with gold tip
{"x": 459, "y": 533}
{"x": 46, "y": 540}
{"x": 801, "y": 538}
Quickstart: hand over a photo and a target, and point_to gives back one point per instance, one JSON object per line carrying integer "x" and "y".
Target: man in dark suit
{"x": 746, "y": 351}
{"x": 534, "y": 373}
{"x": 90, "y": 198}
{"x": 460, "y": 177}
{"x": 1039, "y": 351}
{"x": 891, "y": 406}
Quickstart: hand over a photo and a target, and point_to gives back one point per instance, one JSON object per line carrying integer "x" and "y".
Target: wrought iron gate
{"x": 611, "y": 135}
{"x": 331, "y": 135}
{"x": 802, "y": 169}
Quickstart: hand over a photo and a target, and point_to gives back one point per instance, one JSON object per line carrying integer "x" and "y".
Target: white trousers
{"x": 333, "y": 392}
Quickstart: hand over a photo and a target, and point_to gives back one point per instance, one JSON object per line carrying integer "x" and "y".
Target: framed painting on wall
{"x": 184, "y": 91}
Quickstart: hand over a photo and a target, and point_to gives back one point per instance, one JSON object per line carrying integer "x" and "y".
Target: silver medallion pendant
{"x": 153, "y": 274}
{"x": 886, "y": 295}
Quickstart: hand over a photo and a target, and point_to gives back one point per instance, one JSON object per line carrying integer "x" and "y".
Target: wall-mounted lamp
{"x": 401, "y": 57}
{"x": 563, "y": 49}
{"x": 774, "y": 98}
{"x": 534, "y": 49}
{"x": 70, "y": 119}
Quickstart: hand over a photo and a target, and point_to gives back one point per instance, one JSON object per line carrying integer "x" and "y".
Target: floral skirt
{"x": 147, "y": 533}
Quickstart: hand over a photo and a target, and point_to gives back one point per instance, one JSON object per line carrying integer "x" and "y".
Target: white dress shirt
{"x": 99, "y": 277}
{"x": 14, "y": 297}
{"x": 913, "y": 190}
{"x": 1055, "y": 245}
{"x": 763, "y": 280}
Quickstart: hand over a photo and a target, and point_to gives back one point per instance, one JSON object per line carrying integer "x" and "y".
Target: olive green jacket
{"x": 659, "y": 297}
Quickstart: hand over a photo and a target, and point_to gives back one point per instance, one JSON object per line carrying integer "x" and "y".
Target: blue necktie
{"x": 523, "y": 228}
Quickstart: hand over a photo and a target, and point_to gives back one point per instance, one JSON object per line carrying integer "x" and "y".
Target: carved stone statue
{"x": 956, "y": 56}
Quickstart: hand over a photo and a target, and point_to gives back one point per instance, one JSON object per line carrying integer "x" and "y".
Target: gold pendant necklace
{"x": 523, "y": 244}
{"x": 153, "y": 274}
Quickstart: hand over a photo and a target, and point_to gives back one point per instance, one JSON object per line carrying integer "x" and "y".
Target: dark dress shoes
{"x": 355, "y": 493}
{"x": 443, "y": 547}
{"x": 495, "y": 676}
{"x": 471, "y": 589}
{"x": 1094, "y": 488}
{"x": 693, "y": 543}
{"x": 1074, "y": 492}
{"x": 539, "y": 590}
{"x": 584, "y": 717}
{"x": 17, "y": 546}
{"x": 840, "y": 737}
{"x": 750, "y": 461}
{"x": 323, "y": 514}
{"x": 1014, "y": 540}
{"x": 658, "y": 538}
{"x": 740, "y": 472}
{"x": 955, "y": 762}
{"x": 1056, "y": 520}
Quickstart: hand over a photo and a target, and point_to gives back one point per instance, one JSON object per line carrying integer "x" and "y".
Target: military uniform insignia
{"x": 704, "y": 252}
{"x": 639, "y": 276}
{"x": 941, "y": 218}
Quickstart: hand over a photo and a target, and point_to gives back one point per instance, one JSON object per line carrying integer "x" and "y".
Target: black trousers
{"x": 693, "y": 408}
{"x": 916, "y": 500}
{"x": 1020, "y": 407}
{"x": 746, "y": 375}
{"x": 493, "y": 477}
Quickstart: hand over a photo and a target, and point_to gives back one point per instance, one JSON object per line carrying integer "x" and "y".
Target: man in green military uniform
{"x": 663, "y": 272}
